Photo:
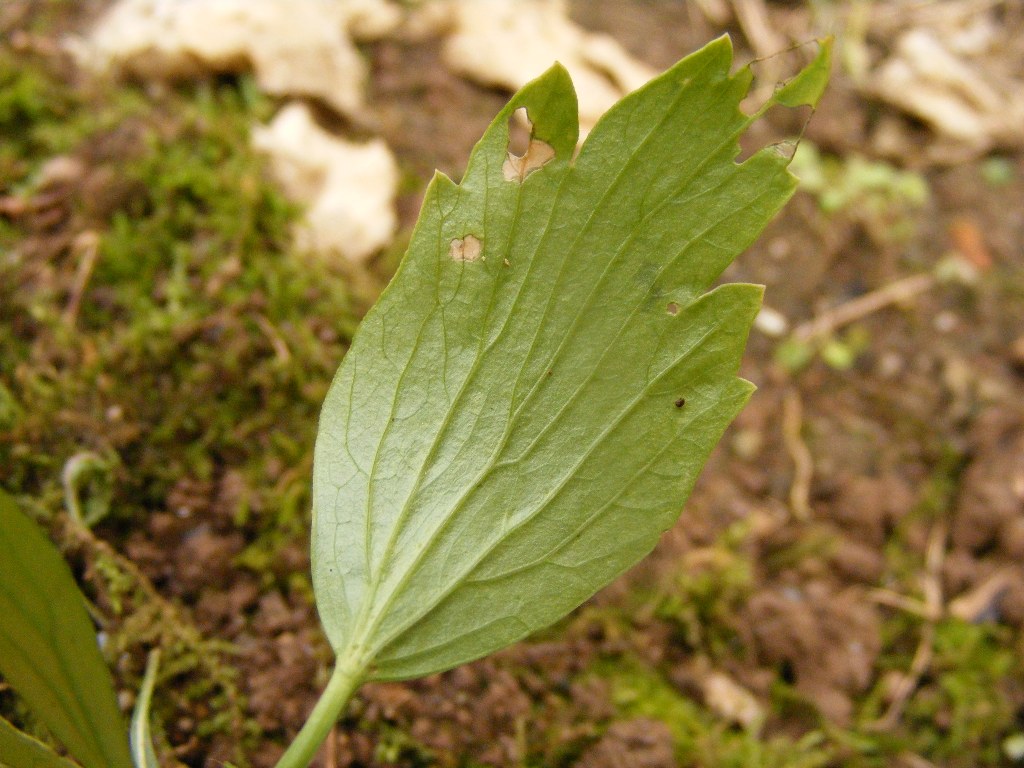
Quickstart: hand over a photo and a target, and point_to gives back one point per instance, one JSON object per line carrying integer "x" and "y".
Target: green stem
{"x": 344, "y": 680}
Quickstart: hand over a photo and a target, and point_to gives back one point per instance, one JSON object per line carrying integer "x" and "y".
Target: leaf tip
{"x": 552, "y": 108}
{"x": 807, "y": 87}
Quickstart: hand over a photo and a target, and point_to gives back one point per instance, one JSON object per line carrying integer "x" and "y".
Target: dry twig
{"x": 753, "y": 18}
{"x": 900, "y": 602}
{"x": 330, "y": 751}
{"x": 87, "y": 246}
{"x": 275, "y": 338}
{"x": 910, "y": 760}
{"x": 932, "y": 611}
{"x": 803, "y": 464}
{"x": 825, "y": 324}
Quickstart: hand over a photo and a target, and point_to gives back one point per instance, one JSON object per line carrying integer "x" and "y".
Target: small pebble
{"x": 890, "y": 364}
{"x": 747, "y": 444}
{"x": 779, "y": 248}
{"x": 1017, "y": 352}
{"x": 771, "y": 322}
{"x": 945, "y": 322}
{"x": 1013, "y": 747}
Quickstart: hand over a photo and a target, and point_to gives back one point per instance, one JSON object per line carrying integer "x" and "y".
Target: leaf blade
{"x": 808, "y": 86}
{"x": 140, "y": 736}
{"x": 48, "y": 649}
{"x": 19, "y": 750}
{"x": 464, "y": 436}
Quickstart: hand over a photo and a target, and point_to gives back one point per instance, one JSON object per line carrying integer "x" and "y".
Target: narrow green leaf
{"x": 139, "y": 736}
{"x": 527, "y": 407}
{"x": 19, "y": 750}
{"x": 48, "y": 650}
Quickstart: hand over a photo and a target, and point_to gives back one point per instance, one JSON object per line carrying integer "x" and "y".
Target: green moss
{"x": 43, "y": 113}
{"x": 201, "y": 343}
{"x": 962, "y": 708}
{"x": 700, "y": 737}
{"x": 395, "y": 747}
{"x": 201, "y": 347}
{"x": 702, "y": 604}
{"x": 32, "y": 103}
{"x": 936, "y": 497}
{"x": 962, "y": 712}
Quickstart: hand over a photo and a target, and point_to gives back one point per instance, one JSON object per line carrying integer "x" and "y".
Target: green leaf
{"x": 808, "y": 86}
{"x": 19, "y": 750}
{"x": 48, "y": 650}
{"x": 527, "y": 407}
{"x": 139, "y": 736}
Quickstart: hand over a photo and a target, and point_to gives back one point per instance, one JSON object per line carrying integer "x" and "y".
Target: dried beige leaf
{"x": 348, "y": 189}
{"x": 294, "y": 47}
{"x": 508, "y": 44}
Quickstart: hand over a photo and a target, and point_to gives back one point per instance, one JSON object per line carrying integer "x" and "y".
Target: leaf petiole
{"x": 343, "y": 683}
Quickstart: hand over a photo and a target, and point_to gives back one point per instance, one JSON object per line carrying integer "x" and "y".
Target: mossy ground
{"x": 156, "y": 327}
{"x": 164, "y": 356}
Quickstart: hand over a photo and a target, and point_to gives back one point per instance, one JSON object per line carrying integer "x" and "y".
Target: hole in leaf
{"x": 672, "y": 308}
{"x": 773, "y": 74}
{"x": 468, "y": 248}
{"x": 520, "y": 129}
{"x": 521, "y": 162}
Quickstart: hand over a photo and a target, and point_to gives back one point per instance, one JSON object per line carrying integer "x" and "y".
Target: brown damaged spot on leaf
{"x": 537, "y": 155}
{"x": 468, "y": 248}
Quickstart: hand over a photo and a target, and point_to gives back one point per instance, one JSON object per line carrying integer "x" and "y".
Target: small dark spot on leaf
{"x": 672, "y": 308}
{"x": 550, "y": 372}
{"x": 680, "y": 402}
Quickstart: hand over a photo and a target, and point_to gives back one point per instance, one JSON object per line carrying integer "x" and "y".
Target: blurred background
{"x": 200, "y": 198}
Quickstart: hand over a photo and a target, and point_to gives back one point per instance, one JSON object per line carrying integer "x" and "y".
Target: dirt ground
{"x": 843, "y": 588}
